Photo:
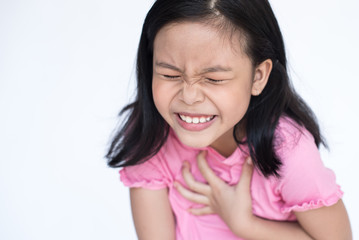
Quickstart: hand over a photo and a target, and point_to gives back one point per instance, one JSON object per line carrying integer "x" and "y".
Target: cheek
{"x": 155, "y": 92}
{"x": 157, "y": 95}
{"x": 233, "y": 101}
{"x": 162, "y": 92}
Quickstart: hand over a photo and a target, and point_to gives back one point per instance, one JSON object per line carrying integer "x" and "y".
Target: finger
{"x": 246, "y": 175}
{"x": 201, "y": 211}
{"x": 191, "y": 196}
{"x": 191, "y": 182}
{"x": 206, "y": 171}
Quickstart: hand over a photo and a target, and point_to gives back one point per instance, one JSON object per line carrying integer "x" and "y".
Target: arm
{"x": 152, "y": 214}
{"x": 326, "y": 222}
{"x": 329, "y": 223}
{"x": 322, "y": 223}
{"x": 233, "y": 204}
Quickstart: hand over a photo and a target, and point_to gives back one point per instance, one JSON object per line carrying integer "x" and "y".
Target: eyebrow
{"x": 216, "y": 68}
{"x": 166, "y": 65}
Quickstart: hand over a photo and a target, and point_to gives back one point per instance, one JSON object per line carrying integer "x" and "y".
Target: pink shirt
{"x": 305, "y": 183}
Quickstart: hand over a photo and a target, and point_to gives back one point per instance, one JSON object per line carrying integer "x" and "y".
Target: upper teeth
{"x": 195, "y": 120}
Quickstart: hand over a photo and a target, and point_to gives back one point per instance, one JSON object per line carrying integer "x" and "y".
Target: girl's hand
{"x": 232, "y": 203}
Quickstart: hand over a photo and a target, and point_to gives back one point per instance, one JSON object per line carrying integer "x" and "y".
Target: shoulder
{"x": 289, "y": 133}
{"x": 293, "y": 143}
{"x": 158, "y": 171}
{"x": 295, "y": 147}
{"x": 305, "y": 182}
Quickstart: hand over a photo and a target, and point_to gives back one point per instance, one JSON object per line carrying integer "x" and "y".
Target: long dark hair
{"x": 145, "y": 131}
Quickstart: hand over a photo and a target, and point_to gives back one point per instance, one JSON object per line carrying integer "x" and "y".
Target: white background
{"x": 67, "y": 68}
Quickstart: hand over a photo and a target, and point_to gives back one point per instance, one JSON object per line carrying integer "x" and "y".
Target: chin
{"x": 194, "y": 142}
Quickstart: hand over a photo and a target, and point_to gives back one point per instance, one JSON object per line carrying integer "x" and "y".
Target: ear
{"x": 261, "y": 75}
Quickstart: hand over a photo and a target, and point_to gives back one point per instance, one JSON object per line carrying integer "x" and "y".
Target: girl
{"x": 217, "y": 145}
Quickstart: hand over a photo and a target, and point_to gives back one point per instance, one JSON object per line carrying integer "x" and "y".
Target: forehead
{"x": 193, "y": 40}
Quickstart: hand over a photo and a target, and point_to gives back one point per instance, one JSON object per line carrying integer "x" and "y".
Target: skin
{"x": 152, "y": 214}
{"x": 219, "y": 198}
{"x": 199, "y": 70}
{"x": 188, "y": 56}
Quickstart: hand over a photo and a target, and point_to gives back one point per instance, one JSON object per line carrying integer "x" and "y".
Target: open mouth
{"x": 196, "y": 119}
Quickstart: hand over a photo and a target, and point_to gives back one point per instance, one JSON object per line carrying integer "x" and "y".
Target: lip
{"x": 194, "y": 126}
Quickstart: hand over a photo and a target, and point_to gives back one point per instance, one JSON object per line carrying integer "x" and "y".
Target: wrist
{"x": 246, "y": 227}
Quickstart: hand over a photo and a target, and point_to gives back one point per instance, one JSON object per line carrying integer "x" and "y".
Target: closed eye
{"x": 171, "y": 76}
{"x": 214, "y": 80}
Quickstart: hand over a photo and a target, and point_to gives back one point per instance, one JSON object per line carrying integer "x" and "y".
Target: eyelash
{"x": 213, "y": 80}
{"x": 209, "y": 79}
{"x": 171, "y": 77}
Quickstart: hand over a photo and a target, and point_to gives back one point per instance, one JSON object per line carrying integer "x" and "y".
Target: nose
{"x": 191, "y": 94}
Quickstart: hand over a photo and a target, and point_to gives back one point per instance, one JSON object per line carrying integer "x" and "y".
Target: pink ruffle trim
{"x": 148, "y": 184}
{"x": 314, "y": 204}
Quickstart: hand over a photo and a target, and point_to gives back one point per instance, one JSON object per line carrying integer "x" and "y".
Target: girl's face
{"x": 203, "y": 82}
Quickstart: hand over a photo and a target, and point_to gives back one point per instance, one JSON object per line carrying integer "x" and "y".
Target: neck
{"x": 225, "y": 144}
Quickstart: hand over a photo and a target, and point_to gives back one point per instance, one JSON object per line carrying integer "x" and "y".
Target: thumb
{"x": 246, "y": 175}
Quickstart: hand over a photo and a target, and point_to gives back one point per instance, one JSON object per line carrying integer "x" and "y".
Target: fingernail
{"x": 249, "y": 160}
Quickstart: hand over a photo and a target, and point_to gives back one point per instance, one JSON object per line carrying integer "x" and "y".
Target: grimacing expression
{"x": 203, "y": 82}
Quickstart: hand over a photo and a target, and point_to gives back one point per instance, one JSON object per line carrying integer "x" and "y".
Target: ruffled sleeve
{"x": 151, "y": 174}
{"x": 305, "y": 182}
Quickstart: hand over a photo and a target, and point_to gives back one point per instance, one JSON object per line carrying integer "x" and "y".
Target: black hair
{"x": 145, "y": 131}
